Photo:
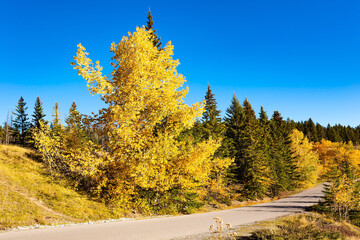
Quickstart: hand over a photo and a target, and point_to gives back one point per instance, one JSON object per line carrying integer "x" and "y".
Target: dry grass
{"x": 29, "y": 196}
{"x": 301, "y": 226}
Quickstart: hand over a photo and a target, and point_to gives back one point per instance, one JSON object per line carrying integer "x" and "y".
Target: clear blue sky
{"x": 301, "y": 58}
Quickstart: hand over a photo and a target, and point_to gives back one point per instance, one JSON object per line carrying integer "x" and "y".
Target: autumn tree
{"x": 341, "y": 196}
{"x": 307, "y": 160}
{"x": 338, "y": 158}
{"x": 141, "y": 93}
{"x": 49, "y": 142}
{"x": 21, "y": 123}
{"x": 340, "y": 162}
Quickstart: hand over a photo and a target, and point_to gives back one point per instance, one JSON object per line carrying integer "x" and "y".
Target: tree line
{"x": 148, "y": 150}
{"x": 18, "y": 128}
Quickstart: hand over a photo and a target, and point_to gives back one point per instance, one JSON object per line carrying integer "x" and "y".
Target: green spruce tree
{"x": 311, "y": 132}
{"x": 75, "y": 130}
{"x": 38, "y": 114}
{"x": 212, "y": 125}
{"x": 321, "y": 133}
{"x": 282, "y": 163}
{"x": 254, "y": 169}
{"x": 154, "y": 37}
{"x": 231, "y": 143}
{"x": 21, "y": 123}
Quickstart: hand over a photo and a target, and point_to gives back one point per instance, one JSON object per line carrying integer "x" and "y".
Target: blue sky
{"x": 301, "y": 58}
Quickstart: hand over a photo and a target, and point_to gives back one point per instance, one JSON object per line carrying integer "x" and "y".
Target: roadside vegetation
{"x": 29, "y": 196}
{"x": 301, "y": 226}
{"x": 148, "y": 152}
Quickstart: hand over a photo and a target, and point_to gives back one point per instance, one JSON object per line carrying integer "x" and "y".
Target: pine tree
{"x": 56, "y": 116}
{"x": 153, "y": 35}
{"x": 212, "y": 125}
{"x": 38, "y": 114}
{"x": 265, "y": 139}
{"x": 290, "y": 124}
{"x": 321, "y": 133}
{"x": 55, "y": 125}
{"x": 21, "y": 123}
{"x": 311, "y": 132}
{"x": 233, "y": 122}
{"x": 254, "y": 168}
{"x": 282, "y": 165}
{"x": 231, "y": 144}
{"x": 333, "y": 134}
{"x": 75, "y": 129}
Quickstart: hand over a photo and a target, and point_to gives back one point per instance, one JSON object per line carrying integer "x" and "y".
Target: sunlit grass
{"x": 301, "y": 226}
{"x": 29, "y": 196}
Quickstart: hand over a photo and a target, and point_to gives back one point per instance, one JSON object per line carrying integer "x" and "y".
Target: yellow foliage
{"x": 307, "y": 160}
{"x": 335, "y": 156}
{"x": 144, "y": 116}
{"x": 342, "y": 196}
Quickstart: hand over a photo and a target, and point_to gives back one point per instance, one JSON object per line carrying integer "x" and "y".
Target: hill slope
{"x": 28, "y": 195}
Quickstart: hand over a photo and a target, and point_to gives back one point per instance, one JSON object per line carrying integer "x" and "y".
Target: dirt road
{"x": 187, "y": 226}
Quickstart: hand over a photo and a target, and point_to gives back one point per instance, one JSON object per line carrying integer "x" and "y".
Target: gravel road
{"x": 184, "y": 227}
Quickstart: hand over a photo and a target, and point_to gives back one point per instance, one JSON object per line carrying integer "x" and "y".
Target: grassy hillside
{"x": 28, "y": 195}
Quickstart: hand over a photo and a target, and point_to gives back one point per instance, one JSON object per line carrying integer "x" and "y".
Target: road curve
{"x": 174, "y": 227}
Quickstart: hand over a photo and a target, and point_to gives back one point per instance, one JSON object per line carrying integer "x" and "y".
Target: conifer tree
{"x": 21, "y": 123}
{"x": 332, "y": 134}
{"x": 291, "y": 124}
{"x": 75, "y": 129}
{"x": 283, "y": 166}
{"x": 254, "y": 167}
{"x": 56, "y": 116}
{"x": 265, "y": 138}
{"x": 233, "y": 122}
{"x": 311, "y": 132}
{"x": 56, "y": 126}
{"x": 212, "y": 125}
{"x": 153, "y": 35}
{"x": 38, "y": 114}
{"x": 321, "y": 134}
{"x": 232, "y": 143}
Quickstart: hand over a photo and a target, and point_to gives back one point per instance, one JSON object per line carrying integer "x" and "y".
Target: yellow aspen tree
{"x": 49, "y": 146}
{"x": 307, "y": 160}
{"x": 336, "y": 157}
{"x": 342, "y": 196}
{"x": 146, "y": 113}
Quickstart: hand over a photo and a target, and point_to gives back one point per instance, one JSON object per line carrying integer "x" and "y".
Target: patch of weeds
{"x": 221, "y": 230}
{"x": 305, "y": 226}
